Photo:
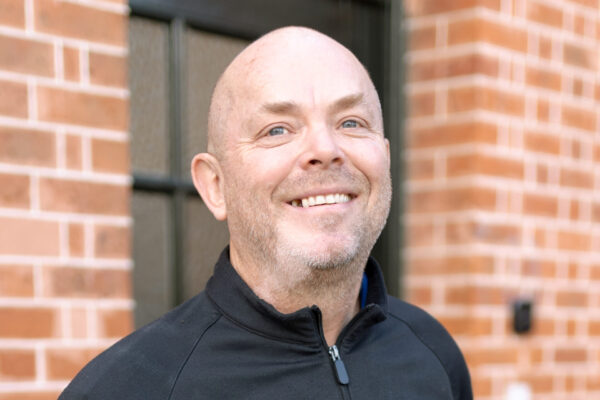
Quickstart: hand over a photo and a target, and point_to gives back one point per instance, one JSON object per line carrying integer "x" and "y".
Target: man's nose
{"x": 321, "y": 148}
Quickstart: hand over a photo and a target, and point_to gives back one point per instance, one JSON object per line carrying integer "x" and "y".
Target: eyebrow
{"x": 291, "y": 107}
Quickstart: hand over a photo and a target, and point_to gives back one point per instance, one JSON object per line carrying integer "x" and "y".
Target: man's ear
{"x": 207, "y": 177}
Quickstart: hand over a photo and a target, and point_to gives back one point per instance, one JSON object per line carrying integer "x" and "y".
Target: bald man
{"x": 299, "y": 167}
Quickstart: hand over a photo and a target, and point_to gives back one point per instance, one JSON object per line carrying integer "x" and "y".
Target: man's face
{"x": 306, "y": 165}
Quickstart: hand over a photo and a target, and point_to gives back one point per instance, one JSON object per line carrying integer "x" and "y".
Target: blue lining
{"x": 363, "y": 290}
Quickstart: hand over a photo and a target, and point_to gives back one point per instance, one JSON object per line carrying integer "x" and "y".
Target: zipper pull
{"x": 340, "y": 368}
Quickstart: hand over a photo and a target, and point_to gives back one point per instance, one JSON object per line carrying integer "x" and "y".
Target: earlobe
{"x": 207, "y": 177}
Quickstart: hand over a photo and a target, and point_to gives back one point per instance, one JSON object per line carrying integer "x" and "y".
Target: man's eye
{"x": 350, "y": 124}
{"x": 276, "y": 131}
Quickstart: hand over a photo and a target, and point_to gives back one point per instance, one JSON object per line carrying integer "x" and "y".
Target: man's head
{"x": 296, "y": 120}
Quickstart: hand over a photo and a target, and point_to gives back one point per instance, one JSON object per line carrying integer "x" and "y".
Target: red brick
{"x": 540, "y": 383}
{"x": 76, "y": 240}
{"x": 543, "y": 110}
{"x": 83, "y": 197}
{"x": 453, "y": 134}
{"x": 482, "y": 386}
{"x": 543, "y": 327}
{"x": 420, "y": 234}
{"x": 578, "y": 179}
{"x": 451, "y": 265}
{"x": 421, "y": 104}
{"x": 99, "y": 111}
{"x": 425, "y": 7}
{"x": 112, "y": 241}
{"x": 114, "y": 323}
{"x": 570, "y": 355}
{"x": 422, "y": 38}
{"x": 543, "y": 78}
{"x": 16, "y": 281}
{"x": 34, "y": 57}
{"x": 544, "y": 14}
{"x": 81, "y": 22}
{"x": 28, "y": 147}
{"x": 71, "y": 64}
{"x": 543, "y": 143}
{"x": 579, "y": 118}
{"x": 574, "y": 241}
{"x": 449, "y": 67}
{"x": 420, "y": 169}
{"x": 572, "y": 299}
{"x": 540, "y": 269}
{"x": 12, "y": 13}
{"x": 28, "y": 323}
{"x": 503, "y": 355}
{"x": 539, "y": 204}
{"x": 110, "y": 156}
{"x": 481, "y": 30}
{"x": 480, "y": 98}
{"x": 479, "y": 164}
{"x": 471, "y": 295}
{"x": 34, "y": 395}
{"x": 64, "y": 363}
{"x": 579, "y": 56}
{"x": 421, "y": 296}
{"x": 97, "y": 283}
{"x": 73, "y": 156}
{"x": 13, "y": 101}
{"x": 475, "y": 326}
{"x": 17, "y": 365}
{"x": 452, "y": 199}
{"x": 14, "y": 191}
{"x": 108, "y": 70}
{"x": 578, "y": 87}
{"x": 594, "y": 328}
{"x": 469, "y": 232}
{"x": 28, "y": 237}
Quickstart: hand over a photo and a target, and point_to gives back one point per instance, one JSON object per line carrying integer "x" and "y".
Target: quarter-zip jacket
{"x": 226, "y": 343}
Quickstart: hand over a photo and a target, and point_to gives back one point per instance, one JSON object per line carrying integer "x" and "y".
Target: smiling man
{"x": 299, "y": 167}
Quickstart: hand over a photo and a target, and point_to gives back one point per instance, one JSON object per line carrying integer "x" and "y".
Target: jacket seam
{"x": 187, "y": 358}
{"x": 430, "y": 349}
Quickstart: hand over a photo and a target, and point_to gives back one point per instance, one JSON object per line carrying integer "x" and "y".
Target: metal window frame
{"x": 249, "y": 19}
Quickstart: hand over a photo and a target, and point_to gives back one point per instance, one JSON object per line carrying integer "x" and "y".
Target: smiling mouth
{"x": 311, "y": 201}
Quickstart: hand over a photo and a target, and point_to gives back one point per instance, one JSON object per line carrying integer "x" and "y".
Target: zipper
{"x": 340, "y": 368}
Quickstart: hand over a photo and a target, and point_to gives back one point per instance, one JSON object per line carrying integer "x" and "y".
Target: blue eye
{"x": 350, "y": 123}
{"x": 278, "y": 130}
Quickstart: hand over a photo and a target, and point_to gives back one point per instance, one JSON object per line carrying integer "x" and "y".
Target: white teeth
{"x": 321, "y": 199}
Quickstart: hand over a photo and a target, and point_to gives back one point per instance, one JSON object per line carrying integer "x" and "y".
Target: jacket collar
{"x": 234, "y": 298}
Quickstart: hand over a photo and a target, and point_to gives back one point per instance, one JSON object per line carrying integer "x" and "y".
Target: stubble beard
{"x": 278, "y": 254}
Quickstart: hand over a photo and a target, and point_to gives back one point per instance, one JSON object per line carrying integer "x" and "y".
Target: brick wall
{"x": 503, "y": 172}
{"x": 64, "y": 190}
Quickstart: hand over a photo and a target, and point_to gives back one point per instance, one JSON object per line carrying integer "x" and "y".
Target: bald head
{"x": 267, "y": 62}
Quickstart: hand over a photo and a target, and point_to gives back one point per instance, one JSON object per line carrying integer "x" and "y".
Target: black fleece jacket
{"x": 226, "y": 343}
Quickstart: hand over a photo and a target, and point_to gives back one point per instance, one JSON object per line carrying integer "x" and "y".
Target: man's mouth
{"x": 319, "y": 200}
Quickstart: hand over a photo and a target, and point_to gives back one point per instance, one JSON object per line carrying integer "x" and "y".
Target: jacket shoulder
{"x": 435, "y": 337}
{"x": 146, "y": 363}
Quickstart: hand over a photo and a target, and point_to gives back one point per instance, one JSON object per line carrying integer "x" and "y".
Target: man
{"x": 298, "y": 166}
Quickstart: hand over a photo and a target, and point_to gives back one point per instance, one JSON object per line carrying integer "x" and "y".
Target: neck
{"x": 289, "y": 288}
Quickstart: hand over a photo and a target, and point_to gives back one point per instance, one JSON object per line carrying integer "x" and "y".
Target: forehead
{"x": 310, "y": 74}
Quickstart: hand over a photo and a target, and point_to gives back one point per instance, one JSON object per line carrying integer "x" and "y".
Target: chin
{"x": 324, "y": 255}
